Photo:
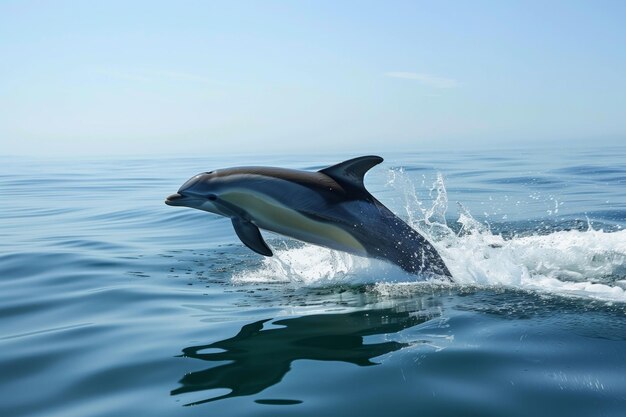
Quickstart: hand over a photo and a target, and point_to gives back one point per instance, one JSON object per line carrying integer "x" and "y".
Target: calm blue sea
{"x": 114, "y": 304}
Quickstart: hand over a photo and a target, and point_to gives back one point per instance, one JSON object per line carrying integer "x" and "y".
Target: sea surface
{"x": 114, "y": 304}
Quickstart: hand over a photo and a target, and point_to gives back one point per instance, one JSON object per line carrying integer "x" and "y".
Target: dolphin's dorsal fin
{"x": 250, "y": 235}
{"x": 352, "y": 171}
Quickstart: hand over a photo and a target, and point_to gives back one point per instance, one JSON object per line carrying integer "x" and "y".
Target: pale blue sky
{"x": 197, "y": 77}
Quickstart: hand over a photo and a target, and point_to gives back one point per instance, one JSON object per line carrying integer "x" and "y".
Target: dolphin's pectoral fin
{"x": 250, "y": 235}
{"x": 352, "y": 171}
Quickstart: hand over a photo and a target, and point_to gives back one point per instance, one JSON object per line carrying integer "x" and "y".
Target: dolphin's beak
{"x": 175, "y": 200}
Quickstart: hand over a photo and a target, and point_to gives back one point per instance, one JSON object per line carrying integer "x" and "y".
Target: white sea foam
{"x": 589, "y": 263}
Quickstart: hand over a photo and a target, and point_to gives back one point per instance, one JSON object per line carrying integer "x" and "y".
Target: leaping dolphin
{"x": 329, "y": 208}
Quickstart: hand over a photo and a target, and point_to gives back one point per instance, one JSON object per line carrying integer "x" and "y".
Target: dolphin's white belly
{"x": 268, "y": 213}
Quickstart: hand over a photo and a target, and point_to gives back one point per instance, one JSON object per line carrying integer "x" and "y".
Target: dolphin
{"x": 329, "y": 208}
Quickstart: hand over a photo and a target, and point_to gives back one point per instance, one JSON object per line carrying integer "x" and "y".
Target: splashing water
{"x": 307, "y": 264}
{"x": 589, "y": 263}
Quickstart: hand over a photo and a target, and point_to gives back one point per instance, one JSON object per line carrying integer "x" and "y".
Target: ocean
{"x": 114, "y": 304}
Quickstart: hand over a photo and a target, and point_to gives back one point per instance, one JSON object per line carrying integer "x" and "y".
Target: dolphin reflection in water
{"x": 260, "y": 358}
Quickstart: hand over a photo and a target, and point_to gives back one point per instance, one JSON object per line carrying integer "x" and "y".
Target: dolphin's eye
{"x": 212, "y": 197}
